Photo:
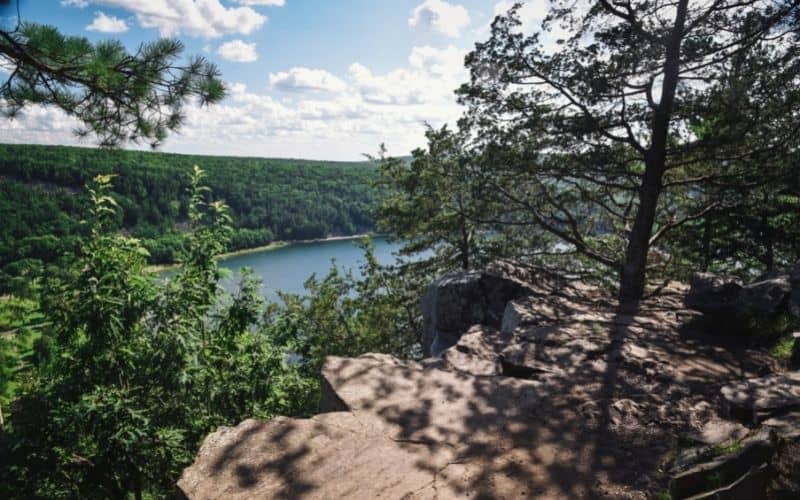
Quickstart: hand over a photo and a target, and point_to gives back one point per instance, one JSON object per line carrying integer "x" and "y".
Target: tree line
{"x": 269, "y": 199}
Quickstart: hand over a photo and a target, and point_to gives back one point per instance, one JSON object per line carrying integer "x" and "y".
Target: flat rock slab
{"x": 333, "y": 455}
{"x": 754, "y": 399}
{"x": 416, "y": 431}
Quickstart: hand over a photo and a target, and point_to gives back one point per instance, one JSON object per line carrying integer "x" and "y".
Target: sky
{"x": 317, "y": 79}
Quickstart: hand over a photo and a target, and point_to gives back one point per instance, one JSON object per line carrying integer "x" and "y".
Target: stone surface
{"x": 287, "y": 458}
{"x": 795, "y": 359}
{"x": 751, "y": 486}
{"x": 755, "y": 399}
{"x": 794, "y": 301}
{"x": 787, "y": 426}
{"x": 717, "y": 431}
{"x": 457, "y": 301}
{"x": 476, "y": 352}
{"x": 711, "y": 294}
{"x": 725, "y": 470}
{"x": 575, "y": 400}
{"x": 767, "y": 297}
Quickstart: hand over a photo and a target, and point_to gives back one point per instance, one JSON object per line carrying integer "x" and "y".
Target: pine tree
{"x": 599, "y": 134}
{"x": 118, "y": 96}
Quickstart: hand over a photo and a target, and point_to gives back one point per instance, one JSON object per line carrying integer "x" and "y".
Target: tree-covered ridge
{"x": 269, "y": 199}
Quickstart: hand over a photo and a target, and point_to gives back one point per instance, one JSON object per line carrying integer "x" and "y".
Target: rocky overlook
{"x": 537, "y": 390}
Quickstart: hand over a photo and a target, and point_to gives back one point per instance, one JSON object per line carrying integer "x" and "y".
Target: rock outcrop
{"x": 459, "y": 300}
{"x": 794, "y": 298}
{"x": 534, "y": 394}
{"x": 772, "y": 294}
{"x": 712, "y": 294}
{"x": 728, "y": 471}
{"x": 757, "y": 399}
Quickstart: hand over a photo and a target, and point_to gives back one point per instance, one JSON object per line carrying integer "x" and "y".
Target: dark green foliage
{"x": 118, "y": 96}
{"x": 435, "y": 202}
{"x": 269, "y": 200}
{"x": 346, "y": 316}
{"x": 131, "y": 372}
{"x": 645, "y": 118}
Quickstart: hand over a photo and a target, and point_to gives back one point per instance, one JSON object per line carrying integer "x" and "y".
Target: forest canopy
{"x": 270, "y": 200}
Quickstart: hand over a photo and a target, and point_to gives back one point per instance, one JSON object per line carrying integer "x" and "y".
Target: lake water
{"x": 287, "y": 268}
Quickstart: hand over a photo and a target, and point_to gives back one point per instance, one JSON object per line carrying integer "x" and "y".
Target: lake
{"x": 287, "y": 268}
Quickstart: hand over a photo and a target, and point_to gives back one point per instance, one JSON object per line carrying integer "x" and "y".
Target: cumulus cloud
{"x": 238, "y": 51}
{"x": 438, "y": 62}
{"x": 432, "y": 76}
{"x": 531, "y": 15}
{"x": 201, "y": 18}
{"x": 320, "y": 115}
{"x": 440, "y": 16}
{"x": 305, "y": 79}
{"x": 270, "y": 3}
{"x": 107, "y": 24}
{"x": 37, "y": 124}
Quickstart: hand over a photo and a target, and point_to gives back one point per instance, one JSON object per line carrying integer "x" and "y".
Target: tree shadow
{"x": 602, "y": 427}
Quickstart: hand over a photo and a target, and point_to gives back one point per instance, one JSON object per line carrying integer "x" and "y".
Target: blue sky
{"x": 326, "y": 79}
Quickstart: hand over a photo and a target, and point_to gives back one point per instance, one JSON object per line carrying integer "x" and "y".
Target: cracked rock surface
{"x": 563, "y": 398}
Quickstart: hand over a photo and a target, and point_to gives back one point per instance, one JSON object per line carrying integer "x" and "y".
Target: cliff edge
{"x": 535, "y": 391}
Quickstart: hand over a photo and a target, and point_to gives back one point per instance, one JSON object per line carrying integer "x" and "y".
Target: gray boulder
{"x": 794, "y": 302}
{"x": 727, "y": 470}
{"x": 767, "y": 297}
{"x": 712, "y": 294}
{"x": 794, "y": 297}
{"x": 459, "y": 300}
{"x": 756, "y": 399}
{"x": 717, "y": 295}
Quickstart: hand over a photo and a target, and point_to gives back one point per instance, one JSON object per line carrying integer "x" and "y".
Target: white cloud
{"x": 271, "y": 3}
{"x": 305, "y": 79}
{"x": 107, "y": 24}
{"x": 531, "y": 15}
{"x": 441, "y": 16}
{"x": 201, "y": 18}
{"x": 238, "y": 51}
{"x": 75, "y": 3}
{"x": 323, "y": 116}
{"x": 37, "y": 124}
{"x": 432, "y": 76}
{"x": 438, "y": 62}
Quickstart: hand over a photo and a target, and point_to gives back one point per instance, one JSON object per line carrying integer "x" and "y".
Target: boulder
{"x": 726, "y": 470}
{"x": 755, "y": 399}
{"x": 794, "y": 361}
{"x": 794, "y": 297}
{"x": 752, "y": 486}
{"x": 458, "y": 300}
{"x": 477, "y": 352}
{"x": 786, "y": 426}
{"x": 717, "y": 431}
{"x": 712, "y": 294}
{"x": 767, "y": 297}
{"x": 794, "y": 302}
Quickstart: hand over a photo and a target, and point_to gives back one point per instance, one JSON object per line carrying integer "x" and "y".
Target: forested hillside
{"x": 270, "y": 199}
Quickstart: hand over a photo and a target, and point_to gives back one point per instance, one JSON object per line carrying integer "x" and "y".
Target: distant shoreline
{"x": 160, "y": 268}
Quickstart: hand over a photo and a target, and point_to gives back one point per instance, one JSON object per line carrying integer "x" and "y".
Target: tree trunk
{"x": 633, "y": 272}
{"x": 633, "y": 276}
